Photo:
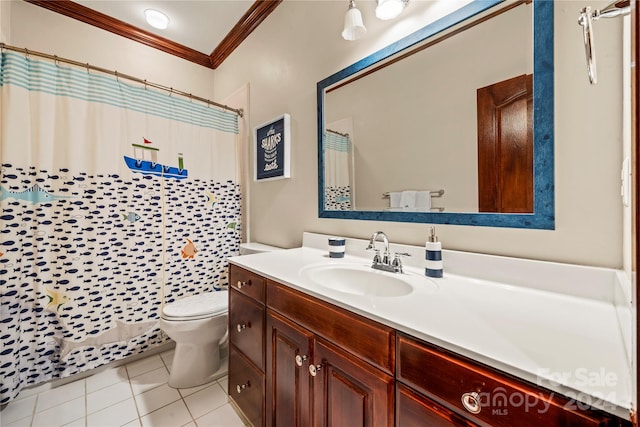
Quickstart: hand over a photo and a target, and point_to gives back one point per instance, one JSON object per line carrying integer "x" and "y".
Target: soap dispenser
{"x": 433, "y": 255}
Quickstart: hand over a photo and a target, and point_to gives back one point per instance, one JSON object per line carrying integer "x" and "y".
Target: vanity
{"x": 516, "y": 343}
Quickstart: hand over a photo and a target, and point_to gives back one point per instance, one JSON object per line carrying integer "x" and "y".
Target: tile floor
{"x": 135, "y": 394}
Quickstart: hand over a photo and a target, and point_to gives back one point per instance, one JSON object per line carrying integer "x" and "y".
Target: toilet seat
{"x": 200, "y": 306}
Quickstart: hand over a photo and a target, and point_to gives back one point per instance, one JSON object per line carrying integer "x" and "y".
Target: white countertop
{"x": 568, "y": 342}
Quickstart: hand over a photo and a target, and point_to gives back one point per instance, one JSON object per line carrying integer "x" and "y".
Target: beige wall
{"x": 300, "y": 44}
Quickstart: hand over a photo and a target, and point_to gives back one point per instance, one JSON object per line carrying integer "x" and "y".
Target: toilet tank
{"x": 256, "y": 248}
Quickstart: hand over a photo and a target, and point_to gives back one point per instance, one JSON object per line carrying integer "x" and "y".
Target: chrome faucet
{"x": 384, "y": 263}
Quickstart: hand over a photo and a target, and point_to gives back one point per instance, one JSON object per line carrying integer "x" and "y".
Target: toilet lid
{"x": 200, "y": 305}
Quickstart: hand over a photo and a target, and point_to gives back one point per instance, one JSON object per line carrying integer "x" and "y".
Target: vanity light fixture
{"x": 389, "y": 9}
{"x": 353, "y": 25}
{"x": 156, "y": 19}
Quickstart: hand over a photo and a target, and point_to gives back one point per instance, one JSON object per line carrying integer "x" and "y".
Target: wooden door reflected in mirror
{"x": 505, "y": 146}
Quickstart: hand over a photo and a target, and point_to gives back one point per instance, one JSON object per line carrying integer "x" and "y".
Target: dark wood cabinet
{"x": 246, "y": 343}
{"x": 319, "y": 362}
{"x": 289, "y": 349}
{"x": 484, "y": 395}
{"x": 246, "y": 387}
{"x": 348, "y": 392}
{"x": 246, "y": 327}
{"x": 298, "y": 361}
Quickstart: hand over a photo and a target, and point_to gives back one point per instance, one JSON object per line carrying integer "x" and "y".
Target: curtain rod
{"x": 338, "y": 133}
{"x": 118, "y": 75}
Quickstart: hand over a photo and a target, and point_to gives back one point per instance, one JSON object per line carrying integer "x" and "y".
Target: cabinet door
{"x": 348, "y": 392}
{"x": 246, "y": 387}
{"x": 287, "y": 373}
{"x": 415, "y": 410}
{"x": 246, "y": 321}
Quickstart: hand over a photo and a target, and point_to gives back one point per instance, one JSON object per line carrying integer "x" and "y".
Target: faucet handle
{"x": 402, "y": 254}
{"x": 376, "y": 257}
{"x": 397, "y": 262}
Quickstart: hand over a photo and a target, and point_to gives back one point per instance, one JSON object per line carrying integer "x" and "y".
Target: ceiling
{"x": 204, "y": 32}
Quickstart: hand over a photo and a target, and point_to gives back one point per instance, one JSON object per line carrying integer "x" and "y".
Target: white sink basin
{"x": 356, "y": 279}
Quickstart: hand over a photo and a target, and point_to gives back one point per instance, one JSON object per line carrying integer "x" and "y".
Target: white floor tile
{"x": 18, "y": 409}
{"x": 167, "y": 357}
{"x": 173, "y": 415}
{"x": 187, "y": 391}
{"x": 80, "y": 422}
{"x": 61, "y": 414}
{"x": 156, "y": 398}
{"x": 108, "y": 396}
{"x": 55, "y": 396}
{"x": 144, "y": 365}
{"x": 24, "y": 422}
{"x": 206, "y": 400}
{"x": 110, "y": 399}
{"x": 149, "y": 380}
{"x": 106, "y": 378}
{"x": 224, "y": 383}
{"x": 117, "y": 415}
{"x": 225, "y": 416}
{"x": 32, "y": 391}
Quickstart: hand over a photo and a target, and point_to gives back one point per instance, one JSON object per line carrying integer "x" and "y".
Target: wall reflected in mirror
{"x": 438, "y": 123}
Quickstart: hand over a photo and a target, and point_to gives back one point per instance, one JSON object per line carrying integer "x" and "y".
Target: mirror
{"x": 380, "y": 146}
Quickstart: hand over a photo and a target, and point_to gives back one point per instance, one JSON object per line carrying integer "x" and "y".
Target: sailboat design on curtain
{"x": 145, "y": 161}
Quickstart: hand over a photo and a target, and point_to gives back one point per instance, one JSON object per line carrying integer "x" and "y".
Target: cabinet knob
{"x": 241, "y": 326}
{"x": 471, "y": 402}
{"x": 241, "y": 284}
{"x": 240, "y": 387}
{"x": 313, "y": 369}
{"x": 300, "y": 359}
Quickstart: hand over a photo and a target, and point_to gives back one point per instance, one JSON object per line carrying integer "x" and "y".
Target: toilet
{"x": 198, "y": 325}
{"x": 256, "y": 248}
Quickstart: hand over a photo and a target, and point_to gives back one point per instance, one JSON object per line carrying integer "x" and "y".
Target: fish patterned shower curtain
{"x": 338, "y": 164}
{"x": 115, "y": 198}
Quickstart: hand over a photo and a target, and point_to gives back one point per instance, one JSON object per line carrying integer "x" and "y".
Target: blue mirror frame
{"x": 543, "y": 128}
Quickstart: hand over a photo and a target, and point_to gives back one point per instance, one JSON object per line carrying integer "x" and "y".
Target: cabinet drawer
{"x": 247, "y": 282}
{"x": 246, "y": 387}
{"x": 416, "y": 410}
{"x": 246, "y": 321}
{"x": 365, "y": 338}
{"x": 491, "y": 398}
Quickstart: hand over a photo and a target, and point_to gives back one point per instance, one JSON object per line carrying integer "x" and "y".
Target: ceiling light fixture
{"x": 156, "y": 19}
{"x": 389, "y": 9}
{"x": 353, "y": 25}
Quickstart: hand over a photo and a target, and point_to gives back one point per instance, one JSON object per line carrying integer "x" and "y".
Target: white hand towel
{"x": 394, "y": 199}
{"x": 408, "y": 199}
{"x": 423, "y": 200}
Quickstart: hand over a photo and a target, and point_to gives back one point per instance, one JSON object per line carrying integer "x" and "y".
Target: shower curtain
{"x": 337, "y": 161}
{"x": 115, "y": 199}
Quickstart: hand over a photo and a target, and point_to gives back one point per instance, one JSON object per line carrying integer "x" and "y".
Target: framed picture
{"x": 272, "y": 147}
